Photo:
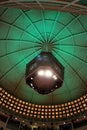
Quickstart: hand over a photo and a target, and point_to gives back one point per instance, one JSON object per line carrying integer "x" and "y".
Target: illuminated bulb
{"x": 31, "y": 84}
{"x": 55, "y": 77}
{"x": 45, "y": 73}
{"x": 84, "y": 116}
{"x": 41, "y": 73}
{"x": 56, "y": 86}
{"x": 48, "y": 73}
{"x": 31, "y": 78}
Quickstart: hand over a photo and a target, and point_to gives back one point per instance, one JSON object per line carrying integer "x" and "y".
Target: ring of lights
{"x": 50, "y": 112}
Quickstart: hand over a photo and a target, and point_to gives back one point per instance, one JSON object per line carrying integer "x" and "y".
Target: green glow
{"x": 22, "y": 35}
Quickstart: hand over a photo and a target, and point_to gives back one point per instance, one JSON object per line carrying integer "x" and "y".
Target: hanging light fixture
{"x": 44, "y": 73}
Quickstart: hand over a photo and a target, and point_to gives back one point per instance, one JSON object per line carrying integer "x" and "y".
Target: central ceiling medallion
{"x": 44, "y": 73}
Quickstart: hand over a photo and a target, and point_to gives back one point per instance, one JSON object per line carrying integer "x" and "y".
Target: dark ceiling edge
{"x": 69, "y": 7}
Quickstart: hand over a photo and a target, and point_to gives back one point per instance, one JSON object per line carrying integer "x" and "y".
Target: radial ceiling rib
{"x": 82, "y": 25}
{"x": 84, "y": 84}
{"x": 17, "y": 85}
{"x": 22, "y": 60}
{"x": 12, "y": 22}
{"x": 7, "y": 32}
{"x": 4, "y": 11}
{"x": 16, "y": 19}
{"x": 68, "y": 90}
{"x": 25, "y": 31}
{"x": 34, "y": 26}
{"x": 66, "y": 26}
{"x": 44, "y": 25}
{"x": 71, "y": 45}
{"x": 7, "y": 54}
{"x": 79, "y": 33}
{"x": 38, "y": 45}
{"x": 56, "y": 19}
{"x": 32, "y": 97}
{"x": 82, "y": 60}
{"x": 21, "y": 30}
{"x": 17, "y": 40}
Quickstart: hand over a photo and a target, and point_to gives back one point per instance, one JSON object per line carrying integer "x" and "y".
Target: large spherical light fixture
{"x": 44, "y": 73}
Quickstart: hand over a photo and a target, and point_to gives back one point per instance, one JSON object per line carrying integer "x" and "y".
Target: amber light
{"x": 27, "y": 109}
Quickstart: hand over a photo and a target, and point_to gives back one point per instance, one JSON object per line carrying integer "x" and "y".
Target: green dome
{"x": 24, "y": 34}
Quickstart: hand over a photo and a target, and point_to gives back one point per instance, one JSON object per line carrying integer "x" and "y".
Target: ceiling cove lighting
{"x": 44, "y": 73}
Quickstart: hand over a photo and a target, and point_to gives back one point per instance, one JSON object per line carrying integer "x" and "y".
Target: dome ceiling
{"x": 24, "y": 34}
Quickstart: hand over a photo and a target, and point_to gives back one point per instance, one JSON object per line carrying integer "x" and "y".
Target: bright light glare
{"x": 45, "y": 73}
{"x": 48, "y": 73}
{"x": 41, "y": 72}
{"x": 55, "y": 77}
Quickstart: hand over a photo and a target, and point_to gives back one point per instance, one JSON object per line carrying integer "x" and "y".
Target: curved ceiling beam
{"x": 72, "y": 7}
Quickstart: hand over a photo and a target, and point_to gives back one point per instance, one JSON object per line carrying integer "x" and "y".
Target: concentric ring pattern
{"x": 24, "y": 34}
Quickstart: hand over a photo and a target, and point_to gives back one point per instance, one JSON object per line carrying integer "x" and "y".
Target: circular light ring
{"x": 29, "y": 110}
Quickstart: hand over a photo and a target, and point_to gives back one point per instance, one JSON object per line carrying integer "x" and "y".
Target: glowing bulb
{"x": 55, "y": 77}
{"x": 48, "y": 73}
{"x": 41, "y": 72}
{"x": 31, "y": 84}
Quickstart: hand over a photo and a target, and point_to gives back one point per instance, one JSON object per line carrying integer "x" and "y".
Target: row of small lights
{"x": 43, "y": 111}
